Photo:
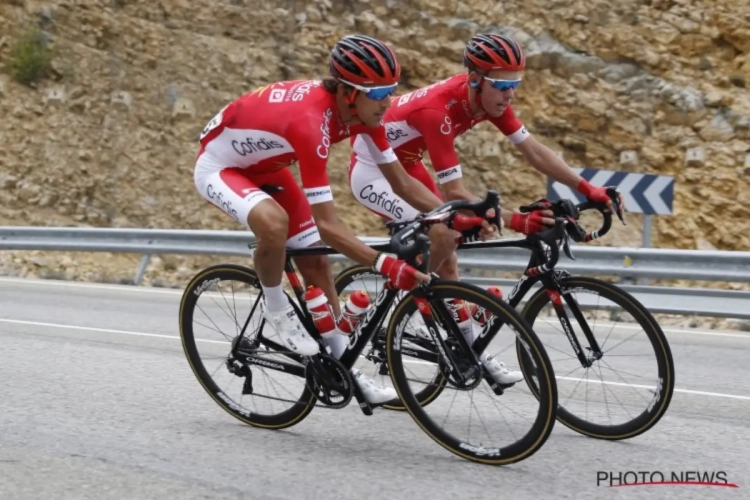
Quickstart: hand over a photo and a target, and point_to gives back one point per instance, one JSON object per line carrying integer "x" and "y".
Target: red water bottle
{"x": 353, "y": 311}
{"x": 458, "y": 309}
{"x": 461, "y": 314}
{"x": 317, "y": 304}
{"x": 480, "y": 314}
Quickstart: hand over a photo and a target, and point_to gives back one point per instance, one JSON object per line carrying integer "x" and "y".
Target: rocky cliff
{"x": 110, "y": 138}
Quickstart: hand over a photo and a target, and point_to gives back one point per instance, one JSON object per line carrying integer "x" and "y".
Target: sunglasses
{"x": 375, "y": 93}
{"x": 503, "y": 85}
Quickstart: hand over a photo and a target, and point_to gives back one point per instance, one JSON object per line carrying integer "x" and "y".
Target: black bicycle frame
{"x": 366, "y": 328}
{"x": 548, "y": 279}
{"x": 359, "y": 338}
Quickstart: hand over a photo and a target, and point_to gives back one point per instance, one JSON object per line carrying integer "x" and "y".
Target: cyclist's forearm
{"x": 460, "y": 193}
{"x": 417, "y": 195}
{"x": 340, "y": 237}
{"x": 550, "y": 164}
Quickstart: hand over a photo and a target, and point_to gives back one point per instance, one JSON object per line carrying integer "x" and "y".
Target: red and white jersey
{"x": 280, "y": 124}
{"x": 429, "y": 120}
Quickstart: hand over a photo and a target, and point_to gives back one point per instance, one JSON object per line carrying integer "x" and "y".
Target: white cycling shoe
{"x": 499, "y": 372}
{"x": 497, "y": 369}
{"x": 374, "y": 394}
{"x": 291, "y": 332}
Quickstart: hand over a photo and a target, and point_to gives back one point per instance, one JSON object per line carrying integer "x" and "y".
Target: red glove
{"x": 528, "y": 223}
{"x": 401, "y": 274}
{"x": 465, "y": 223}
{"x": 593, "y": 193}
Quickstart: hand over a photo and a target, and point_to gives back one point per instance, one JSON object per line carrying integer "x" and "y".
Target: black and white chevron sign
{"x": 643, "y": 193}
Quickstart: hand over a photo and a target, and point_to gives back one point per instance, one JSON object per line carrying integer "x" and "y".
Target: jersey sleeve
{"x": 311, "y": 146}
{"x": 436, "y": 128}
{"x": 378, "y": 145}
{"x": 509, "y": 124}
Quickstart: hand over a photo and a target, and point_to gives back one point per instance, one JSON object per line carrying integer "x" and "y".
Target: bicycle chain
{"x": 260, "y": 351}
{"x": 317, "y": 404}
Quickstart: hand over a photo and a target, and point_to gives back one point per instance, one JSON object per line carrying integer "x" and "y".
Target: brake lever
{"x": 612, "y": 193}
{"x": 566, "y": 244}
{"x": 492, "y": 202}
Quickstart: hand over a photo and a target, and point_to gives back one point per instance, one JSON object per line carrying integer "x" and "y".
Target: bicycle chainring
{"x": 469, "y": 370}
{"x": 329, "y": 381}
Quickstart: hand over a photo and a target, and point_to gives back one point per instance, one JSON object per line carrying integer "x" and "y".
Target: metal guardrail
{"x": 626, "y": 263}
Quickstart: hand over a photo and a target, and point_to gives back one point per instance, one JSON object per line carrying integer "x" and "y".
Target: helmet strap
{"x": 478, "y": 90}
{"x": 349, "y": 99}
{"x": 477, "y": 87}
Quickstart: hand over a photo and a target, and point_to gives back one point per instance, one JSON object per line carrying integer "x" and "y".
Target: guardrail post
{"x": 646, "y": 240}
{"x": 624, "y": 278}
{"x": 141, "y": 269}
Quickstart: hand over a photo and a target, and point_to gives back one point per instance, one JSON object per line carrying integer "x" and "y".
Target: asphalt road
{"x": 97, "y": 401}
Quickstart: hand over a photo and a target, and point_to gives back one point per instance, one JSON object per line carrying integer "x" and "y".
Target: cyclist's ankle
{"x": 275, "y": 298}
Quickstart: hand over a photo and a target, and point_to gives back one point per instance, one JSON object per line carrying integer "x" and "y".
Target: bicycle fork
{"x": 557, "y": 296}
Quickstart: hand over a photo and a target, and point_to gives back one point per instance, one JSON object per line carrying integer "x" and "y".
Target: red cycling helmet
{"x": 486, "y": 52}
{"x": 365, "y": 61}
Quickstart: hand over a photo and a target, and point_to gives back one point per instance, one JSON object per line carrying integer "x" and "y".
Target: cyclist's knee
{"x": 451, "y": 260}
{"x": 269, "y": 222}
{"x": 449, "y": 267}
{"x": 441, "y": 236}
{"x": 313, "y": 268}
{"x": 313, "y": 263}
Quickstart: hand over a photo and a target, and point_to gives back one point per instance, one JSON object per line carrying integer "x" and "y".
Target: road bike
{"x": 247, "y": 354}
{"x": 560, "y": 295}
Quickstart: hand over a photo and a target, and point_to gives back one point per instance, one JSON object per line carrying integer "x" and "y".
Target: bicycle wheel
{"x": 474, "y": 382}
{"x": 215, "y": 284}
{"x": 655, "y": 397}
{"x": 359, "y": 277}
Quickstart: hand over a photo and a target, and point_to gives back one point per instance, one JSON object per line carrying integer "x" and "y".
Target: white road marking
{"x": 627, "y": 326}
{"x": 116, "y": 288}
{"x": 105, "y": 330}
{"x": 144, "y": 289}
{"x": 650, "y": 387}
{"x": 174, "y": 337}
{"x": 92, "y": 286}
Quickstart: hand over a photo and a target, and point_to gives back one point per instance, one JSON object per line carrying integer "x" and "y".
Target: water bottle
{"x": 480, "y": 314}
{"x": 320, "y": 310}
{"x": 463, "y": 318}
{"x": 317, "y": 304}
{"x": 353, "y": 311}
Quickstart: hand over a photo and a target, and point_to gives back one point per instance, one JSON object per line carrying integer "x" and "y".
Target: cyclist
{"x": 429, "y": 120}
{"x": 242, "y": 168}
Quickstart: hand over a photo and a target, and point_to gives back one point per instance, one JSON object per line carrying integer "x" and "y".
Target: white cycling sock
{"x": 468, "y": 330}
{"x": 275, "y": 298}
{"x": 337, "y": 342}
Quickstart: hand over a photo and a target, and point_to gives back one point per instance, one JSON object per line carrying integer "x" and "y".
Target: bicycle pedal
{"x": 366, "y": 408}
{"x": 383, "y": 370}
{"x": 499, "y": 389}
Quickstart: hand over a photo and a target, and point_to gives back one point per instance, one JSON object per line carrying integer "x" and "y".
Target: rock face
{"x": 111, "y": 139}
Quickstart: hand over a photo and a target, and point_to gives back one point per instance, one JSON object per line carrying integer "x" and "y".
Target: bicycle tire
{"x": 648, "y": 418}
{"x": 545, "y": 420}
{"x": 436, "y": 386}
{"x": 288, "y": 418}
